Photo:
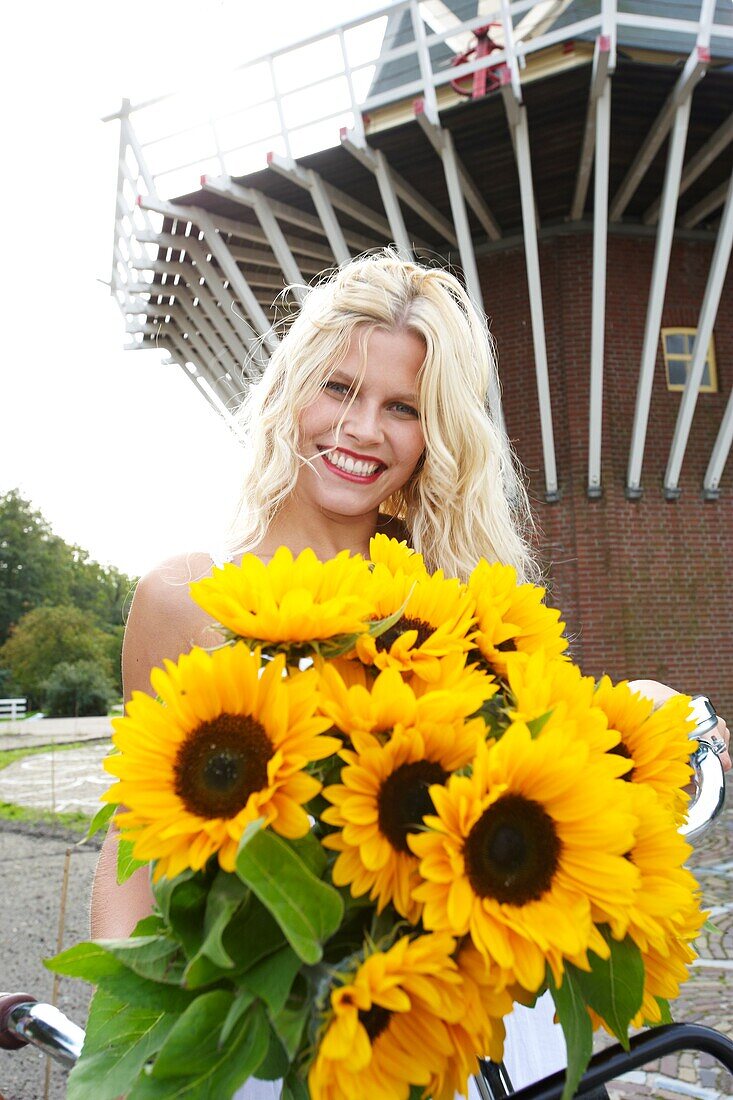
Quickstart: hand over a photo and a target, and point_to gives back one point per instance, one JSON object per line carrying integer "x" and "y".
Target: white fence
{"x": 12, "y": 708}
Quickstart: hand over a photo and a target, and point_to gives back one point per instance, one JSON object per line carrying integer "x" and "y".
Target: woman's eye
{"x": 339, "y": 388}
{"x": 405, "y": 410}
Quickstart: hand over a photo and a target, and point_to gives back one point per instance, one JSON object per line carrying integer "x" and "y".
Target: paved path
{"x": 53, "y": 731}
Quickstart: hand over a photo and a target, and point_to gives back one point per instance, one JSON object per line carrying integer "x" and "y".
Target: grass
{"x": 9, "y": 756}
{"x": 11, "y": 811}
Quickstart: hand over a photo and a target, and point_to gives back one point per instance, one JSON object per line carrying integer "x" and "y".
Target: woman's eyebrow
{"x": 340, "y": 374}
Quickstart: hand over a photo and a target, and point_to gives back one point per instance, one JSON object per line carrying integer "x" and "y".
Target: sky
{"x": 120, "y": 452}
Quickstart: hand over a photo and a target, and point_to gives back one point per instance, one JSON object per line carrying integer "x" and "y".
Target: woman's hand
{"x": 658, "y": 693}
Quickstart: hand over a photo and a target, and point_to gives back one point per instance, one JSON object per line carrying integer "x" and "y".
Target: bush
{"x": 49, "y": 636}
{"x": 77, "y": 689}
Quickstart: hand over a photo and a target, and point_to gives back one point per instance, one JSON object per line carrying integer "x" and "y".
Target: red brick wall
{"x": 647, "y": 586}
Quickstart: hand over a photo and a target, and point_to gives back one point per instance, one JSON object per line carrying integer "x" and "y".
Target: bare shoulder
{"x": 164, "y": 621}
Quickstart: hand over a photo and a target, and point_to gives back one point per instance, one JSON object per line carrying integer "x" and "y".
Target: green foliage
{"x": 34, "y": 563}
{"x": 48, "y": 636}
{"x": 576, "y": 1025}
{"x": 307, "y": 909}
{"x": 38, "y": 569}
{"x": 613, "y": 988}
{"x": 78, "y": 689}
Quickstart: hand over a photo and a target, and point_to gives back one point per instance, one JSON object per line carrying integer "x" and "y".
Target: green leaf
{"x": 294, "y": 1088}
{"x": 219, "y": 1073}
{"x": 134, "y": 990}
{"x": 536, "y": 725}
{"x": 225, "y": 896}
{"x": 186, "y": 909}
{"x": 239, "y": 1006}
{"x": 380, "y": 626}
{"x": 127, "y": 865}
{"x": 153, "y": 925}
{"x": 102, "y": 817}
{"x": 276, "y": 1063}
{"x": 165, "y": 889}
{"x": 153, "y": 957}
{"x": 272, "y": 978}
{"x": 87, "y": 960}
{"x": 307, "y": 910}
{"x": 665, "y": 1010}
{"x": 576, "y": 1025}
{"x": 614, "y": 988}
{"x": 311, "y": 851}
{"x": 712, "y": 928}
{"x": 195, "y": 1035}
{"x": 289, "y": 1025}
{"x": 119, "y": 1041}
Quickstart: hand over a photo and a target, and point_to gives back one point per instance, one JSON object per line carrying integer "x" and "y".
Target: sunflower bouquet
{"x": 384, "y": 811}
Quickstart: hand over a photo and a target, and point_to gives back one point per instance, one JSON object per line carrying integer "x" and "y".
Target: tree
{"x": 77, "y": 690}
{"x": 48, "y": 636}
{"x": 35, "y": 566}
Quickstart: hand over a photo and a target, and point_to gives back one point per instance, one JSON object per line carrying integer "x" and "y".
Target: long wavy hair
{"x": 465, "y": 499}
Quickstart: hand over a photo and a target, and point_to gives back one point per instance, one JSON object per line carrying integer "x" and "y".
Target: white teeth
{"x": 352, "y": 465}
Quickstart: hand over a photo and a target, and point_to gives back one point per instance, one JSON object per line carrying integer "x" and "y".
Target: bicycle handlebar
{"x": 23, "y": 1020}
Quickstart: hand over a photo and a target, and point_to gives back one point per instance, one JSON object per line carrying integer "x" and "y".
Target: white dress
{"x": 534, "y": 1048}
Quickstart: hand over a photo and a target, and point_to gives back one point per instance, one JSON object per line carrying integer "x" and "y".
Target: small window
{"x": 677, "y": 345}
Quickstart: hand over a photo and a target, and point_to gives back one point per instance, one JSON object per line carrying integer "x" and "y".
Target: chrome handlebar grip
{"x": 25, "y": 1020}
{"x": 708, "y": 778}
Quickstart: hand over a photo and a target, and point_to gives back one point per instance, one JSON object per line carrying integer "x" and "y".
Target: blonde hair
{"x": 466, "y": 499}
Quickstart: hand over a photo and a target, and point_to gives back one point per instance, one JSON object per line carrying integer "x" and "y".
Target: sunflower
{"x": 385, "y": 1028}
{"x": 546, "y": 692}
{"x": 398, "y": 557}
{"x": 228, "y": 745}
{"x": 383, "y": 796}
{"x": 667, "y": 967}
{"x": 519, "y": 852}
{"x": 358, "y": 702}
{"x": 435, "y": 621}
{"x": 665, "y": 886}
{"x": 481, "y": 1030}
{"x": 657, "y": 742}
{"x": 512, "y": 617}
{"x": 287, "y": 600}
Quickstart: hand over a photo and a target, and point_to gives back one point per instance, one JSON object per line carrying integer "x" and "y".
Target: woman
{"x": 371, "y": 416}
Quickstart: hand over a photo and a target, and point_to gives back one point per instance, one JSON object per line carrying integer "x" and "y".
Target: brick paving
{"x": 34, "y": 866}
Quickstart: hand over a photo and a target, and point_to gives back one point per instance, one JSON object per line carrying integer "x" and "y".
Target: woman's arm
{"x": 163, "y": 622}
{"x": 657, "y": 692}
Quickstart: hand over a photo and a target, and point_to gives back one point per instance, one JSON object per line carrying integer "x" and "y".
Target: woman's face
{"x": 363, "y": 444}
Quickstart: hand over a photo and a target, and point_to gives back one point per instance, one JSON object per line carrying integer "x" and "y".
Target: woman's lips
{"x": 350, "y": 475}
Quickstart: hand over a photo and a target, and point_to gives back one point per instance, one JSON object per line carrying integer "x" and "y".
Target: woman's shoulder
{"x": 164, "y": 621}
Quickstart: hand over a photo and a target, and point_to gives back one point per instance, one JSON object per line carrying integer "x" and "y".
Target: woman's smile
{"x": 353, "y": 467}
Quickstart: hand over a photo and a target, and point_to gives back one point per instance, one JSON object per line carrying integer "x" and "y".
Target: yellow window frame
{"x": 687, "y": 360}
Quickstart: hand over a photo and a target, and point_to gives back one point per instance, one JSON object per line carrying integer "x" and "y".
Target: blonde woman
{"x": 371, "y": 416}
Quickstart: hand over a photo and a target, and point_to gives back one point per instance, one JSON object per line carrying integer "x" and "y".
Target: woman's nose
{"x": 363, "y": 422}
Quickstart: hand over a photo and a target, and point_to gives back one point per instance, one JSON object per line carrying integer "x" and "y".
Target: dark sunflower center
{"x": 386, "y": 640}
{"x": 512, "y": 852}
{"x": 220, "y": 764}
{"x": 622, "y": 750}
{"x": 508, "y": 646}
{"x": 404, "y": 799}
{"x": 375, "y": 1021}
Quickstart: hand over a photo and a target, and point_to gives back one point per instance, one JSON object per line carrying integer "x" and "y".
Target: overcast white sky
{"x": 119, "y": 452}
